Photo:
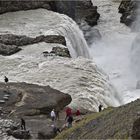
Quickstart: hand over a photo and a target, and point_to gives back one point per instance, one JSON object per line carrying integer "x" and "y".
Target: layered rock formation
{"x": 128, "y": 8}
{"x": 10, "y": 43}
{"x": 75, "y": 9}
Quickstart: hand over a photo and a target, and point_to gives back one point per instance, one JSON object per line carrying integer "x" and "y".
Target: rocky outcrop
{"x": 28, "y": 99}
{"x": 128, "y": 8}
{"x": 112, "y": 123}
{"x": 10, "y": 43}
{"x": 79, "y": 10}
{"x": 75, "y": 9}
{"x": 58, "y": 51}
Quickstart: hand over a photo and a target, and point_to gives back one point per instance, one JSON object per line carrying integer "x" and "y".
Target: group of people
{"x": 68, "y": 118}
{"x": 55, "y": 115}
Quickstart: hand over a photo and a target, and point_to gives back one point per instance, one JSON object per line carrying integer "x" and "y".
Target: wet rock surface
{"x": 10, "y": 43}
{"x": 77, "y": 10}
{"x": 128, "y": 8}
{"x": 58, "y": 51}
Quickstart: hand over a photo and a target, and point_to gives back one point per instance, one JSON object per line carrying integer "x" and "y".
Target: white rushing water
{"x": 113, "y": 52}
{"x": 78, "y": 77}
{"x": 45, "y": 22}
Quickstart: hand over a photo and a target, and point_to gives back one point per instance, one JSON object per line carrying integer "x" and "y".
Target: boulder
{"x": 59, "y": 51}
{"x": 21, "y": 134}
{"x": 29, "y": 99}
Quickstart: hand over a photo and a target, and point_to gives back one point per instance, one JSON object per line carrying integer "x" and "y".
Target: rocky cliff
{"x": 112, "y": 123}
{"x": 128, "y": 8}
{"x": 77, "y": 10}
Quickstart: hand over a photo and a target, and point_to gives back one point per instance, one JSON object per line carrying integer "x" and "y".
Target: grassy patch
{"x": 88, "y": 118}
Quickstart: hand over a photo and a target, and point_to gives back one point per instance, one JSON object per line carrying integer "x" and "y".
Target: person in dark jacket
{"x": 6, "y": 79}
{"x": 70, "y": 120}
{"x": 100, "y": 108}
{"x": 23, "y": 127}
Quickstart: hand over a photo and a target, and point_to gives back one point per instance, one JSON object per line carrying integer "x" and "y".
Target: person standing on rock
{"x": 100, "y": 108}
{"x": 6, "y": 80}
{"x": 53, "y": 115}
{"x": 23, "y": 127}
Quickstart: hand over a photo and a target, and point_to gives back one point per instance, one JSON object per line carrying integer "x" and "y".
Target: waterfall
{"x": 46, "y": 22}
{"x": 79, "y": 77}
{"x": 112, "y": 53}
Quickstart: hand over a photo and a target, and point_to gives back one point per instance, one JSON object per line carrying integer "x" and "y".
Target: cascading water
{"x": 78, "y": 77}
{"x": 112, "y": 53}
{"x": 51, "y": 23}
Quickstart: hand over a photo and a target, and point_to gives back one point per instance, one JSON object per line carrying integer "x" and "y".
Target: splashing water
{"x": 112, "y": 53}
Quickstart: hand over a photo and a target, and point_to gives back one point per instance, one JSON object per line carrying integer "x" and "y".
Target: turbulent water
{"x": 113, "y": 52}
{"x": 45, "y": 22}
{"x": 78, "y": 77}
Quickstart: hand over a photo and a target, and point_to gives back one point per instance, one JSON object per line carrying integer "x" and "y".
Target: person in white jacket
{"x": 53, "y": 115}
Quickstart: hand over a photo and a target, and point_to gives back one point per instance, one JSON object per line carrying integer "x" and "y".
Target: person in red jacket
{"x": 78, "y": 112}
{"x": 68, "y": 112}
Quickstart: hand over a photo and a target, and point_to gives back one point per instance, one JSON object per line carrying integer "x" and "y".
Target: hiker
{"x": 68, "y": 112}
{"x": 23, "y": 124}
{"x": 53, "y": 115}
{"x": 100, "y": 108}
{"x": 6, "y": 79}
{"x": 69, "y": 121}
{"x": 78, "y": 113}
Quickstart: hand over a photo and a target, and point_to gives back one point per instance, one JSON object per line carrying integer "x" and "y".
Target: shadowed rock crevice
{"x": 10, "y": 43}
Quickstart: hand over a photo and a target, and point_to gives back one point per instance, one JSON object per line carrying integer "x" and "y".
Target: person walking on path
{"x": 53, "y": 115}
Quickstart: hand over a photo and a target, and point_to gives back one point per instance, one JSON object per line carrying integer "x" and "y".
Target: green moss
{"x": 87, "y": 119}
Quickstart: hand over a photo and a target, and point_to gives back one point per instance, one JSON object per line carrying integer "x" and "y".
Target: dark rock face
{"x": 21, "y": 134}
{"x": 8, "y": 49}
{"x": 128, "y": 8}
{"x": 9, "y": 43}
{"x": 136, "y": 129}
{"x": 28, "y": 99}
{"x": 17, "y": 5}
{"x": 77, "y": 10}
